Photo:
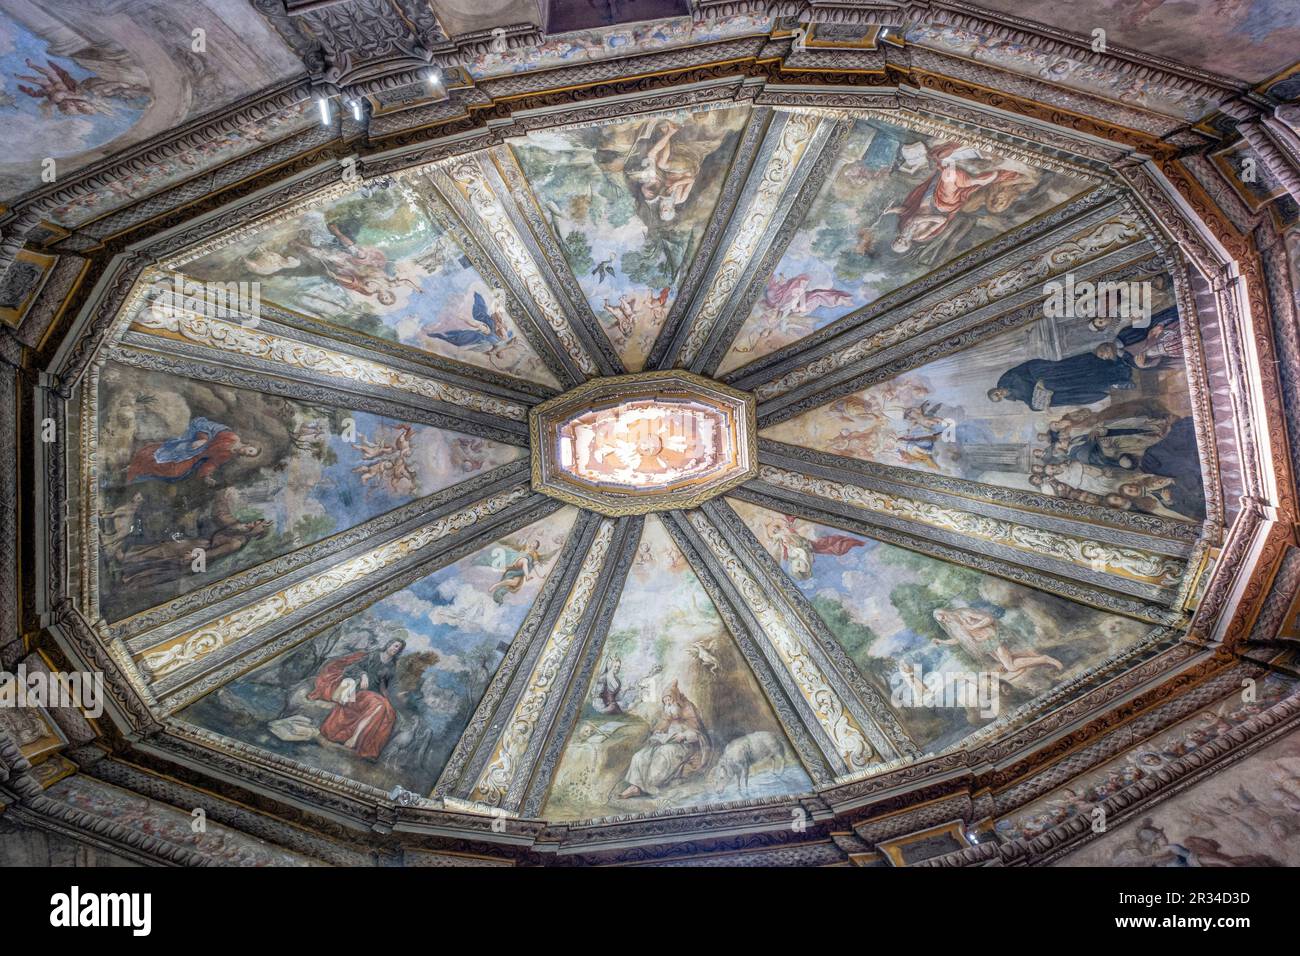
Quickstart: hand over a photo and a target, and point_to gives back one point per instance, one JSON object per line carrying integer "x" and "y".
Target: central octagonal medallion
{"x": 631, "y": 444}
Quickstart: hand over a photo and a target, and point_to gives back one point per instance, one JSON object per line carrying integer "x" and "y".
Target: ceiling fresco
{"x": 1250, "y": 39}
{"x": 373, "y": 657}
{"x": 246, "y": 476}
{"x": 382, "y": 696}
{"x": 900, "y": 201}
{"x": 381, "y": 260}
{"x": 79, "y": 82}
{"x": 673, "y": 716}
{"x": 902, "y": 616}
{"x": 629, "y": 203}
{"x": 1090, "y": 409}
{"x": 610, "y": 444}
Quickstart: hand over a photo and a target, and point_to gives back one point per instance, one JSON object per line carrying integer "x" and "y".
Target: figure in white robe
{"x": 678, "y": 748}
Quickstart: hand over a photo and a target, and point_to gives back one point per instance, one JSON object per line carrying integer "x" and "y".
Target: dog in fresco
{"x": 743, "y": 754}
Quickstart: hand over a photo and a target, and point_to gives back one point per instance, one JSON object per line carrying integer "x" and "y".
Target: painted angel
{"x": 387, "y": 462}
{"x": 55, "y": 89}
{"x": 518, "y": 566}
{"x": 787, "y": 297}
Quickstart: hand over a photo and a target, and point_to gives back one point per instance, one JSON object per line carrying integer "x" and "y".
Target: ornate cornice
{"x": 356, "y": 40}
{"x": 989, "y": 773}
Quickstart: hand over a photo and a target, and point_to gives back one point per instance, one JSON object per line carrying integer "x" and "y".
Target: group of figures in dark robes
{"x": 1132, "y": 453}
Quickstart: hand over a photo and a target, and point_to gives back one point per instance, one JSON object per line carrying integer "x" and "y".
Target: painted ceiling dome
{"x": 319, "y": 546}
{"x": 727, "y": 447}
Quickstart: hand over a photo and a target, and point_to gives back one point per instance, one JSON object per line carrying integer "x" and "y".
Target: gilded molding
{"x": 1135, "y": 564}
{"x": 1057, "y": 577}
{"x": 1151, "y": 532}
{"x": 523, "y": 203}
{"x": 853, "y": 753}
{"x": 230, "y": 662}
{"x": 795, "y": 136}
{"x": 501, "y": 780}
{"x": 1040, "y": 234}
{"x": 688, "y": 285}
{"x": 247, "y": 341}
{"x": 188, "y": 648}
{"x": 474, "y": 748}
{"x": 562, "y": 710}
{"x": 786, "y": 219}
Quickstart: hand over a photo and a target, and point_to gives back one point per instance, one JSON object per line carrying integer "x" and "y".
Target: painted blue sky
{"x": 32, "y": 134}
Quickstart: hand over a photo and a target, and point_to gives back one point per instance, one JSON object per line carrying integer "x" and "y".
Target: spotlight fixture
{"x": 324, "y": 105}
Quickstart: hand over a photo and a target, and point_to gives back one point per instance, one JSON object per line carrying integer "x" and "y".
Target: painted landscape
{"x": 383, "y": 697}
{"x": 245, "y": 477}
{"x": 629, "y": 202}
{"x": 902, "y": 616}
{"x": 673, "y": 717}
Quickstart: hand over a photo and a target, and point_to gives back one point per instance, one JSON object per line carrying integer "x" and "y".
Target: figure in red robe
{"x": 358, "y": 685}
{"x": 205, "y": 447}
{"x": 786, "y": 297}
{"x": 796, "y": 551}
{"x": 930, "y": 208}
